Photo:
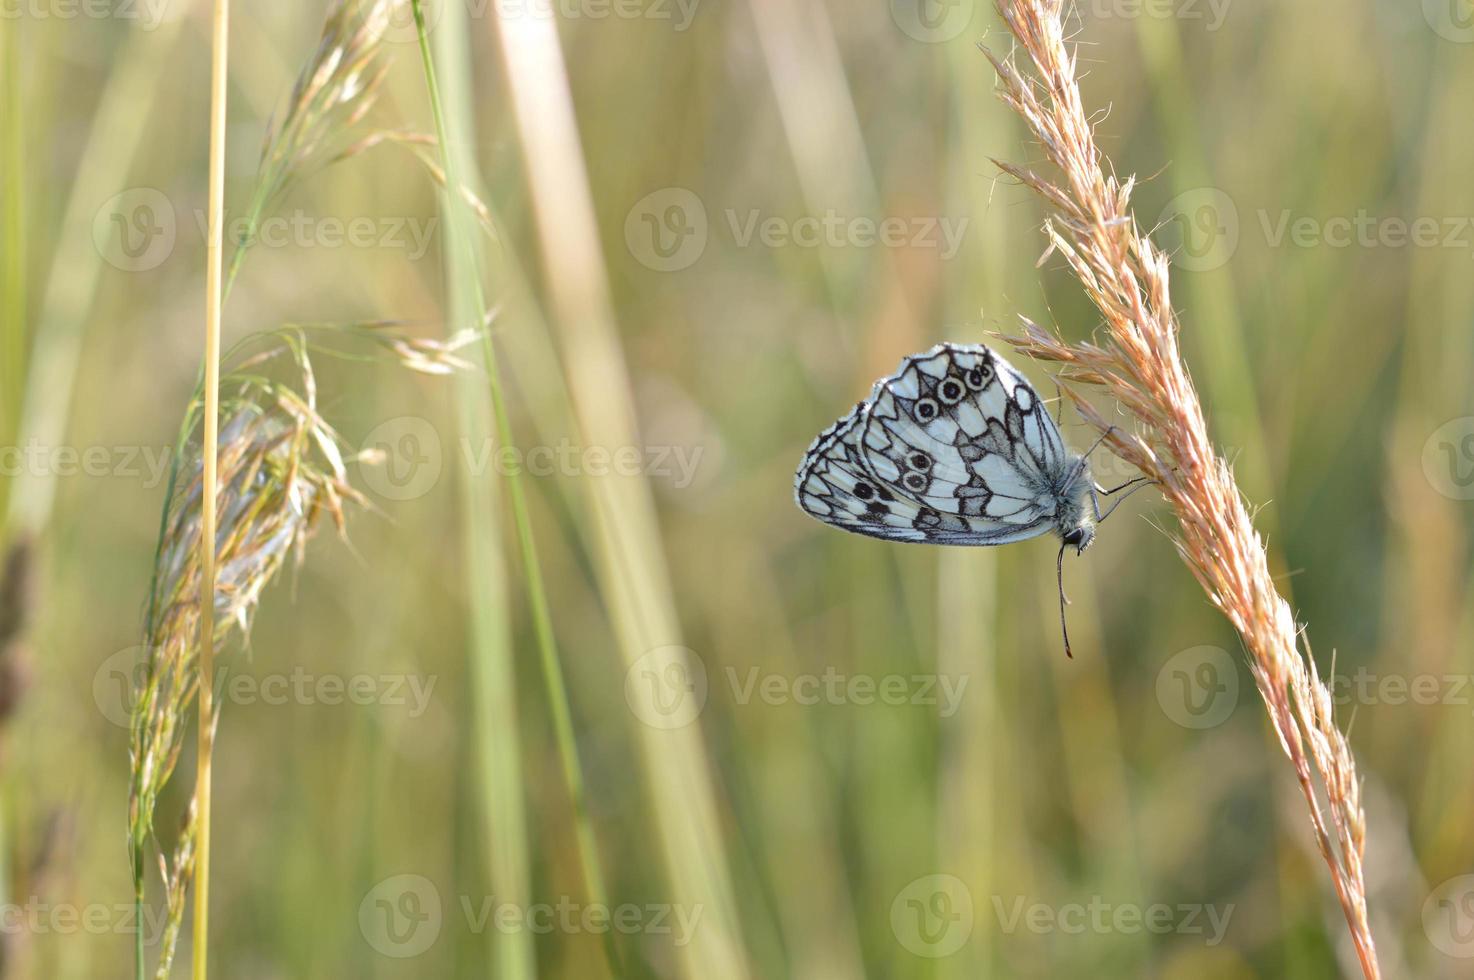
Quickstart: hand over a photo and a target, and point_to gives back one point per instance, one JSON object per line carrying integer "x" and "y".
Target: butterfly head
{"x": 1080, "y": 537}
{"x": 1076, "y": 524}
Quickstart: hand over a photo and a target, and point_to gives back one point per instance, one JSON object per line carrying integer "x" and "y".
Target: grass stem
{"x": 214, "y": 250}
{"x": 462, "y": 232}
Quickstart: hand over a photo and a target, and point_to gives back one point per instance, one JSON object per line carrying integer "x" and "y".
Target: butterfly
{"x": 954, "y": 448}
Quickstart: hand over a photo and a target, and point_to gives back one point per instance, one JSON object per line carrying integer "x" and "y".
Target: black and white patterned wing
{"x": 835, "y": 485}
{"x": 965, "y": 436}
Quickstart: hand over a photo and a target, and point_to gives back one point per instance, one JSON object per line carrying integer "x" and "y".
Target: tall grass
{"x": 494, "y": 665}
{"x": 495, "y": 734}
{"x": 632, "y": 572}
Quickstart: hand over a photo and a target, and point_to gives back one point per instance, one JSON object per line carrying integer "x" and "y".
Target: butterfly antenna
{"x": 1059, "y": 571}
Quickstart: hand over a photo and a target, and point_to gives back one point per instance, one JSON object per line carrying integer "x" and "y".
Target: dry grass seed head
{"x": 1139, "y": 364}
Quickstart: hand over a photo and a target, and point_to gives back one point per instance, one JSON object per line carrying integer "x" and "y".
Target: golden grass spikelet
{"x": 176, "y": 890}
{"x": 1139, "y": 364}
{"x": 334, "y": 91}
{"x": 281, "y": 470}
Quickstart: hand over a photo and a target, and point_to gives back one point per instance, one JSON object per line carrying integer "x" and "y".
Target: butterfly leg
{"x": 1096, "y": 445}
{"x": 1114, "y": 490}
{"x": 1084, "y": 459}
{"x": 1136, "y": 484}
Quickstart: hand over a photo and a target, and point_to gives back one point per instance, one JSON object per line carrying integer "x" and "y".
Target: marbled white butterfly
{"x": 955, "y": 448}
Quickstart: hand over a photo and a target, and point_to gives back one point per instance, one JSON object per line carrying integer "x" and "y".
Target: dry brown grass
{"x": 1138, "y": 363}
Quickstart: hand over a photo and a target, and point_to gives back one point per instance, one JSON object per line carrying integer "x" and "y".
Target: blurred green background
{"x": 896, "y": 771}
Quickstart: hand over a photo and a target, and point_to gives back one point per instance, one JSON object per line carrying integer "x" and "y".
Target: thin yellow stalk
{"x": 214, "y": 253}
